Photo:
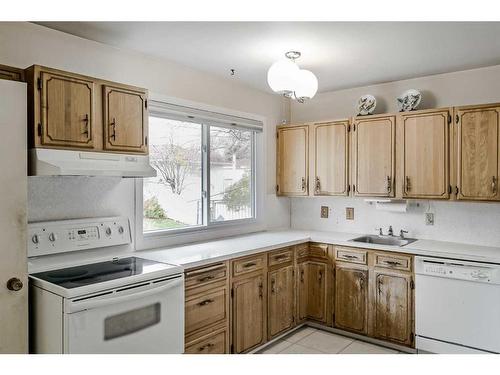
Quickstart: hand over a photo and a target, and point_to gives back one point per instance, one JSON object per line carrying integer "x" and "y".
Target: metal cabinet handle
{"x": 206, "y": 278}
{"x": 392, "y": 263}
{"x": 407, "y": 184}
{"x": 389, "y": 184}
{"x": 207, "y": 346}
{"x": 303, "y": 180}
{"x": 273, "y": 283}
{"x": 317, "y": 187}
{"x": 379, "y": 286}
{"x": 320, "y": 277}
{"x": 261, "y": 293}
{"x": 301, "y": 276}
{"x": 494, "y": 184}
{"x": 205, "y": 302}
{"x": 361, "y": 281}
{"x": 251, "y": 264}
{"x": 14, "y": 284}
{"x": 279, "y": 257}
{"x": 347, "y": 256}
{"x": 113, "y": 124}
{"x": 86, "y": 121}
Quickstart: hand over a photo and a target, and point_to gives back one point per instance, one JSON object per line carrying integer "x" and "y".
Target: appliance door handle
{"x": 93, "y": 303}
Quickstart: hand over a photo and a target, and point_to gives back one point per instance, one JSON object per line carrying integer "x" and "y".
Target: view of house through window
{"x": 174, "y": 199}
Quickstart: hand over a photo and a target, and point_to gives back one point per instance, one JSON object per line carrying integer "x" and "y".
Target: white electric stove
{"x": 86, "y": 299}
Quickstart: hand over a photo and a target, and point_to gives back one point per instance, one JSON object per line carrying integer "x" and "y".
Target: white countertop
{"x": 198, "y": 254}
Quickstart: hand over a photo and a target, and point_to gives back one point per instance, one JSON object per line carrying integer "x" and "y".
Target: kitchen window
{"x": 205, "y": 163}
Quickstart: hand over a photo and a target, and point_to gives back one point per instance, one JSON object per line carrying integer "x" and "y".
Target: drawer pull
{"x": 206, "y": 278}
{"x": 392, "y": 263}
{"x": 347, "y": 256}
{"x": 280, "y": 257}
{"x": 207, "y": 346}
{"x": 248, "y": 265}
{"x": 205, "y": 302}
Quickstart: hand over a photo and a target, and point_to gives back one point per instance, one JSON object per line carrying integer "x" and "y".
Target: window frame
{"x": 209, "y": 229}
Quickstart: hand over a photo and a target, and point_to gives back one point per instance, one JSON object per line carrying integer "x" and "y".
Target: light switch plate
{"x": 324, "y": 212}
{"x": 349, "y": 213}
{"x": 429, "y": 218}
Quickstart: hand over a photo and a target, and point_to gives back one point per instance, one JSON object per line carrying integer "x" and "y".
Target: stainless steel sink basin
{"x": 384, "y": 240}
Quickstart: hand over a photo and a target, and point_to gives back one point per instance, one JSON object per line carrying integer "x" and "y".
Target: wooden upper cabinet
{"x": 281, "y": 301}
{"x": 393, "y": 307}
{"x": 425, "y": 154}
{"x": 67, "y": 110}
{"x": 373, "y": 141}
{"x": 125, "y": 119}
{"x": 351, "y": 298}
{"x": 292, "y": 160}
{"x": 248, "y": 313}
{"x": 477, "y": 157}
{"x": 11, "y": 73}
{"x": 330, "y": 145}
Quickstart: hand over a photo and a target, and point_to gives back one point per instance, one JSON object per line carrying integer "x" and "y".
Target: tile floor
{"x": 308, "y": 340}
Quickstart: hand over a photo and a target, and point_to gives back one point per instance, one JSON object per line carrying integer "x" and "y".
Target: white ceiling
{"x": 341, "y": 54}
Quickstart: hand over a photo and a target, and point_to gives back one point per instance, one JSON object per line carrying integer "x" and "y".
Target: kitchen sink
{"x": 384, "y": 240}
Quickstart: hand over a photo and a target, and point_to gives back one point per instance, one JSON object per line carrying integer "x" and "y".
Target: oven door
{"x": 144, "y": 318}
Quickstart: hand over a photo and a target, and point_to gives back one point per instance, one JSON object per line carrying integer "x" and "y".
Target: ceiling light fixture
{"x": 286, "y": 78}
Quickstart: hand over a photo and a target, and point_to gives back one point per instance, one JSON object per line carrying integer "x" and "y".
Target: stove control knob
{"x": 108, "y": 231}
{"x": 52, "y": 237}
{"x": 35, "y": 239}
{"x": 120, "y": 229}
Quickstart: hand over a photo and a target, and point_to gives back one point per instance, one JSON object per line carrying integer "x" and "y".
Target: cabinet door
{"x": 248, "y": 313}
{"x": 330, "y": 158}
{"x": 425, "y": 159}
{"x": 125, "y": 120}
{"x": 373, "y": 154}
{"x": 393, "y": 318}
{"x": 292, "y": 159}
{"x": 281, "y": 294}
{"x": 477, "y": 157}
{"x": 316, "y": 301}
{"x": 67, "y": 111}
{"x": 351, "y": 298}
{"x": 302, "y": 291}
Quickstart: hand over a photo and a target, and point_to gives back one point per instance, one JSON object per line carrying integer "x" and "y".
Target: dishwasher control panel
{"x": 458, "y": 269}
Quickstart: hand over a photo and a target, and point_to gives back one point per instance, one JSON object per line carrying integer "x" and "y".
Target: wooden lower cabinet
{"x": 351, "y": 298}
{"x": 393, "y": 306}
{"x": 248, "y": 313}
{"x": 214, "y": 342}
{"x": 281, "y": 300}
{"x": 312, "y": 292}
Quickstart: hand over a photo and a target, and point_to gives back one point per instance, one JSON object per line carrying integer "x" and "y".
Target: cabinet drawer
{"x": 213, "y": 343}
{"x": 318, "y": 250}
{"x": 346, "y": 254}
{"x": 281, "y": 256}
{"x": 206, "y": 275}
{"x": 204, "y": 310}
{"x": 250, "y": 264}
{"x": 302, "y": 251}
{"x": 393, "y": 261}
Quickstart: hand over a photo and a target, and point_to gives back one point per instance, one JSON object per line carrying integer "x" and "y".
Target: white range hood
{"x": 51, "y": 162}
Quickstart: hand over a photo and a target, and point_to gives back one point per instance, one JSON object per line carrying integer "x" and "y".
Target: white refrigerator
{"x": 13, "y": 218}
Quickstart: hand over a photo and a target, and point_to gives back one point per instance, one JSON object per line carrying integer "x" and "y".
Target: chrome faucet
{"x": 402, "y": 233}
{"x": 380, "y": 233}
{"x": 390, "y": 232}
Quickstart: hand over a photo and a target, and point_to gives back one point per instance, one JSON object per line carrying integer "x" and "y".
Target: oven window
{"x": 131, "y": 321}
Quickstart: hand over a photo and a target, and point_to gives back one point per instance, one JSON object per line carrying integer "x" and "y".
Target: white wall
{"x": 24, "y": 44}
{"x": 475, "y": 223}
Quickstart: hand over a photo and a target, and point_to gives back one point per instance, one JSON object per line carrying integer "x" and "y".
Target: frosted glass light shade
{"x": 281, "y": 76}
{"x": 306, "y": 84}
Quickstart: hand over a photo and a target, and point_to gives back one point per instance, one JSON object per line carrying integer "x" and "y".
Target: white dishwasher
{"x": 457, "y": 306}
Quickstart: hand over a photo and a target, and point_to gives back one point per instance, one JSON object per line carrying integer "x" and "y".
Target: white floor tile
{"x": 299, "y": 349}
{"x": 360, "y": 347}
{"x": 325, "y": 342}
{"x": 299, "y": 334}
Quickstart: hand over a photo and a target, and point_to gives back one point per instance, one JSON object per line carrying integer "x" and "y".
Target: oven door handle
{"x": 93, "y": 303}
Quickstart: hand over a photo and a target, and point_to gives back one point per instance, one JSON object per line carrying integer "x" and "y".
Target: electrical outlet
{"x": 324, "y": 212}
{"x": 349, "y": 213}
{"x": 429, "y": 218}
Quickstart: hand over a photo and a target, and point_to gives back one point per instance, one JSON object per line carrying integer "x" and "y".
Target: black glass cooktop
{"x": 94, "y": 273}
